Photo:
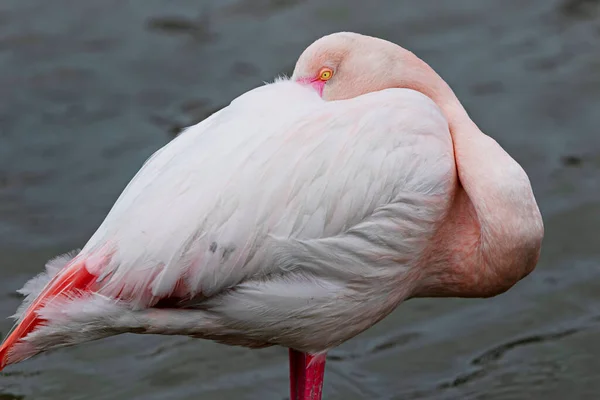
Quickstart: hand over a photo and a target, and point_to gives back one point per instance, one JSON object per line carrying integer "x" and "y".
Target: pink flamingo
{"x": 300, "y": 215}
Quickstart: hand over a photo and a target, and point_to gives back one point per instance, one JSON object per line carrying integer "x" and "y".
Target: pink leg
{"x": 306, "y": 376}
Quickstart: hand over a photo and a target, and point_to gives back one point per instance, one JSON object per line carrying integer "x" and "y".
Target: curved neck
{"x": 416, "y": 74}
{"x": 492, "y": 234}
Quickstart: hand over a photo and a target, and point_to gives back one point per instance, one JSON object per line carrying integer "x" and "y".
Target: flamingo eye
{"x": 325, "y": 74}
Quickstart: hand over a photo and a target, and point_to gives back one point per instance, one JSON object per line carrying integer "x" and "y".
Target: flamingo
{"x": 300, "y": 215}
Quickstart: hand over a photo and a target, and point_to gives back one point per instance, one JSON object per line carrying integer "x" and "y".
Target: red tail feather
{"x": 74, "y": 277}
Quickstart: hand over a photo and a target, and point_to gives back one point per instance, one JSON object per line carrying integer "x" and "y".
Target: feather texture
{"x": 281, "y": 219}
{"x": 35, "y": 285}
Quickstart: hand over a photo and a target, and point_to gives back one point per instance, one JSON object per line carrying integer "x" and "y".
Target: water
{"x": 89, "y": 89}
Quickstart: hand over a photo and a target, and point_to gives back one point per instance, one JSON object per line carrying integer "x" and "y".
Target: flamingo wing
{"x": 276, "y": 199}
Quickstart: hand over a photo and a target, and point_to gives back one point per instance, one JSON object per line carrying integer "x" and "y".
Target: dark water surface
{"x": 90, "y": 88}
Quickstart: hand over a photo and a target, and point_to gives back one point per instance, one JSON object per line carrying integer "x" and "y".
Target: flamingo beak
{"x": 306, "y": 376}
{"x": 317, "y": 84}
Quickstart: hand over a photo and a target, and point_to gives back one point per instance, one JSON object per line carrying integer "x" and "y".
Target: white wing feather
{"x": 282, "y": 219}
{"x": 222, "y": 203}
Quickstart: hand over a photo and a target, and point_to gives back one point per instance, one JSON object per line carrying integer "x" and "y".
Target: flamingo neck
{"x": 491, "y": 236}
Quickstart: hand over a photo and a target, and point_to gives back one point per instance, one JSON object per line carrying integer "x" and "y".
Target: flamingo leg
{"x": 306, "y": 376}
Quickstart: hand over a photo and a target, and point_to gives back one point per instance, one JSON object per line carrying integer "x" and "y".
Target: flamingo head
{"x": 345, "y": 65}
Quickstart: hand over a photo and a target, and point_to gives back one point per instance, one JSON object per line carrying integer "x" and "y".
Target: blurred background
{"x": 90, "y": 88}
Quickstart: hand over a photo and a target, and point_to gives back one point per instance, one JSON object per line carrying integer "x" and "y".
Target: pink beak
{"x": 315, "y": 83}
{"x": 306, "y": 376}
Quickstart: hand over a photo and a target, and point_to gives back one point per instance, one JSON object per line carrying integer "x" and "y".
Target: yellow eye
{"x": 325, "y": 74}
